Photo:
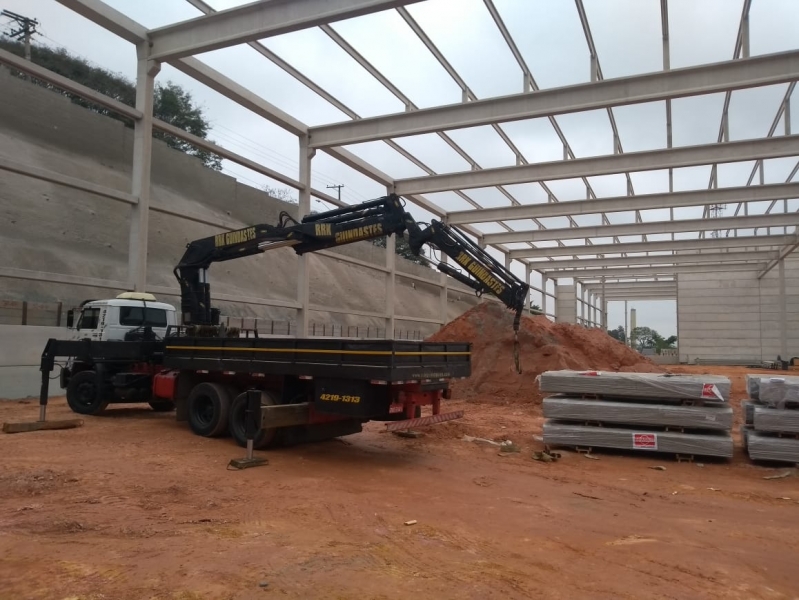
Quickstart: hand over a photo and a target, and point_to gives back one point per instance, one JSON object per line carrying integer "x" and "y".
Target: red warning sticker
{"x": 645, "y": 441}
{"x": 709, "y": 390}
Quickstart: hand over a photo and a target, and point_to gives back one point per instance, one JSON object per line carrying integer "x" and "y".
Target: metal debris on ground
{"x": 411, "y": 522}
{"x": 782, "y": 475}
{"x": 408, "y": 434}
{"x": 658, "y": 468}
{"x": 479, "y": 440}
{"x": 546, "y": 456}
{"x": 591, "y": 456}
{"x": 586, "y": 496}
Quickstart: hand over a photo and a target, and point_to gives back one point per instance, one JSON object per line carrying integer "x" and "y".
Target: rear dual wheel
{"x": 265, "y": 437}
{"x": 209, "y": 407}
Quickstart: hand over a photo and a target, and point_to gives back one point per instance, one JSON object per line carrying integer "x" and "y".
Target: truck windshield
{"x": 89, "y": 318}
{"x": 134, "y": 316}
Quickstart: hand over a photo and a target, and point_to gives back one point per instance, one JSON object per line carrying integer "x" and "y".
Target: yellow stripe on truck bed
{"x": 311, "y": 351}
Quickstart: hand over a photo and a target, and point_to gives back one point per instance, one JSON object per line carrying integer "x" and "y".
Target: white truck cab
{"x": 111, "y": 320}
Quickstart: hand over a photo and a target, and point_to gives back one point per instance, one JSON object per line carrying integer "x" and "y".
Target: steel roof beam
{"x": 641, "y": 298}
{"x": 255, "y": 21}
{"x": 763, "y": 70}
{"x": 685, "y": 156}
{"x": 662, "y": 259}
{"x": 108, "y": 18}
{"x": 681, "y": 226}
{"x": 749, "y": 241}
{"x": 626, "y": 203}
{"x": 619, "y": 289}
{"x": 623, "y": 280}
{"x": 636, "y": 271}
{"x": 597, "y": 289}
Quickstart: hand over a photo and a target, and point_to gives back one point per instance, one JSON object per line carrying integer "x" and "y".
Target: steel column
{"x": 783, "y": 312}
{"x": 146, "y": 70}
{"x": 444, "y": 294}
{"x": 391, "y": 265}
{"x": 303, "y": 274}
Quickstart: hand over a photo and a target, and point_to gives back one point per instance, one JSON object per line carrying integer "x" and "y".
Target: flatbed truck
{"x": 310, "y": 388}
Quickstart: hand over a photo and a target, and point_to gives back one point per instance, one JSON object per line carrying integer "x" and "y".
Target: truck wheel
{"x": 209, "y": 405}
{"x": 265, "y": 437}
{"x": 162, "y": 406}
{"x": 82, "y": 394}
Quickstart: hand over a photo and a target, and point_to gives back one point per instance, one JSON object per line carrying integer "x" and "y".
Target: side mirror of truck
{"x": 70, "y": 318}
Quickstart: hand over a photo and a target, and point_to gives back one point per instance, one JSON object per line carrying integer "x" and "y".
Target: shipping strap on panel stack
{"x": 672, "y": 442}
{"x": 777, "y": 392}
{"x": 772, "y": 418}
{"x": 636, "y": 385}
{"x": 564, "y": 408}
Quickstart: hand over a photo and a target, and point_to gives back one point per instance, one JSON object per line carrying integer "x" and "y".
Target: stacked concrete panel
{"x": 637, "y": 385}
{"x": 647, "y": 412}
{"x": 772, "y": 418}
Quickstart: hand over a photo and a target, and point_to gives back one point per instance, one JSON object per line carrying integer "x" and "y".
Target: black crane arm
{"x": 483, "y": 272}
{"x": 372, "y": 219}
{"x": 369, "y": 220}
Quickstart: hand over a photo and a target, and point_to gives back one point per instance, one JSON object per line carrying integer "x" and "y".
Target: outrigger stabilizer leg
{"x": 252, "y": 424}
{"x": 47, "y": 364}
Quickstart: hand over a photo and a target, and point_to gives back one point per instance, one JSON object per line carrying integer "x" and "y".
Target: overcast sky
{"x": 627, "y": 34}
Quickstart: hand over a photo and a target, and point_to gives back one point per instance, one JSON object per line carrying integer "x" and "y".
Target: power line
{"x": 337, "y": 188}
{"x": 26, "y": 28}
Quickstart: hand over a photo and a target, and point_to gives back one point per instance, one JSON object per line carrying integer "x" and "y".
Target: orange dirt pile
{"x": 544, "y": 346}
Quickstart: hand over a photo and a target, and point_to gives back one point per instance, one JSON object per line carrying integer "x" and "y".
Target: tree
{"x": 647, "y": 338}
{"x": 535, "y": 309}
{"x": 171, "y": 103}
{"x": 403, "y": 249}
{"x": 283, "y": 194}
{"x": 618, "y": 334}
{"x": 644, "y": 337}
{"x": 174, "y": 105}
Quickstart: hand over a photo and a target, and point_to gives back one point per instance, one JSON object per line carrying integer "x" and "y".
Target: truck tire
{"x": 162, "y": 405}
{"x": 265, "y": 437}
{"x": 209, "y": 406}
{"x": 82, "y": 394}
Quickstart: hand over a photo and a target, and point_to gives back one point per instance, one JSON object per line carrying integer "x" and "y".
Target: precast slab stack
{"x": 685, "y": 415}
{"x": 772, "y": 418}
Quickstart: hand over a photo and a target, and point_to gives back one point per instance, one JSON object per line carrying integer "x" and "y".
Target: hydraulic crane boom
{"x": 369, "y": 220}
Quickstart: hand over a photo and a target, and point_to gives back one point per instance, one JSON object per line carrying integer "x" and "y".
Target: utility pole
{"x": 337, "y": 188}
{"x": 26, "y": 28}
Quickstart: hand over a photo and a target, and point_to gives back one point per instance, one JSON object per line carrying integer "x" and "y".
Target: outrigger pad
{"x": 41, "y": 425}
{"x": 246, "y": 463}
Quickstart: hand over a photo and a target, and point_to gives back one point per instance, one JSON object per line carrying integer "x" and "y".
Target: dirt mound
{"x": 545, "y": 346}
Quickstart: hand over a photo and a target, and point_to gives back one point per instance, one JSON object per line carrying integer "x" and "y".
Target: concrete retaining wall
{"x": 566, "y": 304}
{"x": 735, "y": 316}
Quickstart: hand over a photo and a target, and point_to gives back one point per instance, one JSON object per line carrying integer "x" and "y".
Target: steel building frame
{"x": 178, "y": 43}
